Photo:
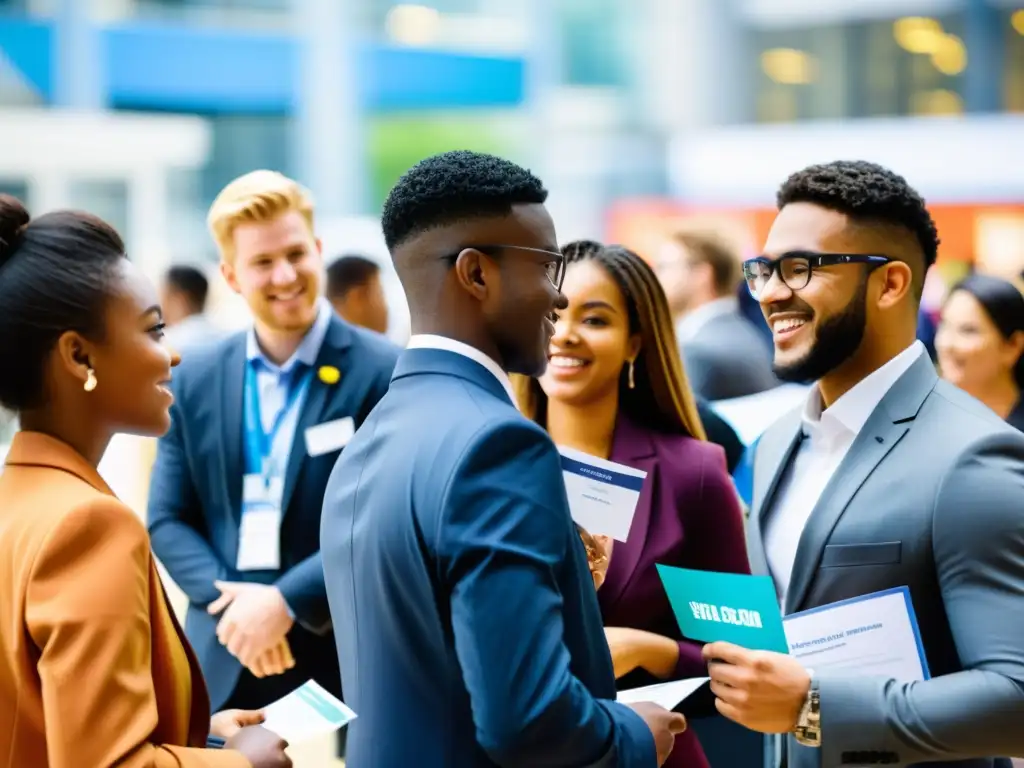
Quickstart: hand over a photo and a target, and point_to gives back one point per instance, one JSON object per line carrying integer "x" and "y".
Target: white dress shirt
{"x": 828, "y": 436}
{"x": 430, "y": 341}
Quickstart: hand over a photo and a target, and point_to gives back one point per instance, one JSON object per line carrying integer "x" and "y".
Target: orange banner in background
{"x": 991, "y": 237}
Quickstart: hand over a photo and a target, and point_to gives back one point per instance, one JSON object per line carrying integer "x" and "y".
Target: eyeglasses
{"x": 553, "y": 261}
{"x": 796, "y": 268}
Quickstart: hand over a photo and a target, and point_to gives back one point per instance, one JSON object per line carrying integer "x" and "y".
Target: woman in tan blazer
{"x": 94, "y": 669}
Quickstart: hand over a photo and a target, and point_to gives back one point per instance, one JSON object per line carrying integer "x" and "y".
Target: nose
{"x": 774, "y": 291}
{"x": 565, "y": 332}
{"x": 175, "y": 357}
{"x": 284, "y": 273}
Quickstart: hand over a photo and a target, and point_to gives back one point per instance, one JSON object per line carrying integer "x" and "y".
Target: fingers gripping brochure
{"x": 873, "y": 634}
{"x": 307, "y": 712}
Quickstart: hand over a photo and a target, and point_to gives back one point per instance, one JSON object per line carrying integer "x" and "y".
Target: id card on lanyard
{"x": 259, "y": 537}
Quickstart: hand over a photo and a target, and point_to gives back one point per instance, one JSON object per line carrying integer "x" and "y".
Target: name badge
{"x": 602, "y": 494}
{"x": 329, "y": 436}
{"x": 259, "y": 536}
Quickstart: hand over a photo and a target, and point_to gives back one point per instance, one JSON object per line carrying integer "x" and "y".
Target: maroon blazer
{"x": 688, "y": 516}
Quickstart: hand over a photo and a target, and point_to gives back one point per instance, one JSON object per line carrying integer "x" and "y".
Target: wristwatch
{"x": 808, "y": 724}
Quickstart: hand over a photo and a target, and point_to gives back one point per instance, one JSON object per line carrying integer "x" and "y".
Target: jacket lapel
{"x": 886, "y": 426}
{"x": 631, "y": 446}
{"x": 319, "y": 396}
{"x": 774, "y": 450}
{"x": 232, "y": 393}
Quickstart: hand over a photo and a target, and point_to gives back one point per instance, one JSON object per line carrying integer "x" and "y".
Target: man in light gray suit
{"x": 723, "y": 354}
{"x": 887, "y": 477}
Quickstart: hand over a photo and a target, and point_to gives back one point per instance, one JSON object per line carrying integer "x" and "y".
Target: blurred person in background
{"x": 615, "y": 388}
{"x": 886, "y": 477}
{"x": 260, "y": 418}
{"x": 980, "y": 343}
{"x": 355, "y": 291}
{"x": 183, "y": 297}
{"x": 94, "y": 669}
{"x": 723, "y": 355}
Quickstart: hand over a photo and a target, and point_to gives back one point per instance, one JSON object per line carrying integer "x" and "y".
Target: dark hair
{"x": 55, "y": 276}
{"x": 661, "y": 399}
{"x": 709, "y": 248}
{"x": 867, "y": 193}
{"x": 191, "y": 282}
{"x": 348, "y": 272}
{"x": 1003, "y": 302}
{"x": 454, "y": 186}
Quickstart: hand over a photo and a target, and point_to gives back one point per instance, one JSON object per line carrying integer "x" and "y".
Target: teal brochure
{"x": 733, "y": 607}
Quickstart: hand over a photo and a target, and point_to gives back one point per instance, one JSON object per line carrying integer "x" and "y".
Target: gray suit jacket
{"x": 727, "y": 358}
{"x": 930, "y": 496}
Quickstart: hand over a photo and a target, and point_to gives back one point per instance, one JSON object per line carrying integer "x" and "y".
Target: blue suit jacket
{"x": 196, "y": 489}
{"x": 466, "y": 619}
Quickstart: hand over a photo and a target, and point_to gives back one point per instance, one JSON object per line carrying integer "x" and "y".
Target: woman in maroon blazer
{"x": 615, "y": 388}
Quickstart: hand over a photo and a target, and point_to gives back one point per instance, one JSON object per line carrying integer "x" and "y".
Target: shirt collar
{"x": 308, "y": 350}
{"x": 850, "y": 412}
{"x": 691, "y": 323}
{"x": 432, "y": 341}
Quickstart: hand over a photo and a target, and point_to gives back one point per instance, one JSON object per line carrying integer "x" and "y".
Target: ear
{"x": 633, "y": 347}
{"x": 227, "y": 270}
{"x": 475, "y": 272}
{"x": 896, "y": 280}
{"x": 74, "y": 352}
{"x": 1015, "y": 347}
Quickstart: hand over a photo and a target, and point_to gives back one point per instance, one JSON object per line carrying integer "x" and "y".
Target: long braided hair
{"x": 661, "y": 399}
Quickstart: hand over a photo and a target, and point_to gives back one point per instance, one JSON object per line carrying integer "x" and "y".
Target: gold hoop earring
{"x": 90, "y": 381}
{"x": 631, "y": 382}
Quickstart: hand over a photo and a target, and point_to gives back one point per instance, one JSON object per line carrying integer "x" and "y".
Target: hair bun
{"x": 13, "y": 218}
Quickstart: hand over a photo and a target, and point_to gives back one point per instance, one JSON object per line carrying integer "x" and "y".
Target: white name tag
{"x": 602, "y": 494}
{"x": 329, "y": 436}
{"x": 259, "y": 537}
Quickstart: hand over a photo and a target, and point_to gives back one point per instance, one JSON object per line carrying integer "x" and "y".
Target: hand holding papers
{"x": 306, "y": 712}
{"x": 759, "y": 661}
{"x": 602, "y": 494}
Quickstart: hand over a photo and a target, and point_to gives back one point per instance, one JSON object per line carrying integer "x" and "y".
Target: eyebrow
{"x": 155, "y": 309}
{"x": 598, "y": 305}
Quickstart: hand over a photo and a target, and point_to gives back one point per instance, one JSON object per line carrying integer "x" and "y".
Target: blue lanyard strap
{"x": 259, "y": 444}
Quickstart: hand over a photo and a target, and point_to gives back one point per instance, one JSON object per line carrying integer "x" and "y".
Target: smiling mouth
{"x": 289, "y": 296}
{"x": 788, "y": 325}
{"x": 566, "y": 363}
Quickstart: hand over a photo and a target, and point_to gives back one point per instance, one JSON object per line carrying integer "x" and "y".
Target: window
{"x": 1013, "y": 68}
{"x": 878, "y": 68}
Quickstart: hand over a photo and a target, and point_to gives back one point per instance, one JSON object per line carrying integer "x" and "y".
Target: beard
{"x": 836, "y": 340}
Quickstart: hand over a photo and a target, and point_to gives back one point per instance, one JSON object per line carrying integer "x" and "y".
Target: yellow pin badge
{"x": 329, "y": 374}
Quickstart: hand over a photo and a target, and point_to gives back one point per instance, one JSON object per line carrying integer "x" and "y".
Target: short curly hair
{"x": 455, "y": 186}
{"x": 865, "y": 192}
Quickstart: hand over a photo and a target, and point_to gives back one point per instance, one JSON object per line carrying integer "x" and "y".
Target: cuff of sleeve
{"x": 691, "y": 661}
{"x": 634, "y": 742}
{"x": 852, "y": 717}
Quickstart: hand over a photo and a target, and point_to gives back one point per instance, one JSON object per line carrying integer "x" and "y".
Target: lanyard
{"x": 259, "y": 444}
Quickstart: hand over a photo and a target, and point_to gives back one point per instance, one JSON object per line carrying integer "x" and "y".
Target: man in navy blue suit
{"x": 466, "y": 619}
{"x": 259, "y": 420}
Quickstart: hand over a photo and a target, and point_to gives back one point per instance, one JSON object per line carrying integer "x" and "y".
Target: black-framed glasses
{"x": 553, "y": 261}
{"x": 796, "y": 268}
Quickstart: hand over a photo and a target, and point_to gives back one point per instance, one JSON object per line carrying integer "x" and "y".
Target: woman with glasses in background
{"x": 615, "y": 388}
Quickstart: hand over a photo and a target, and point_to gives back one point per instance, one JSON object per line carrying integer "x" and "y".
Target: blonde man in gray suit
{"x": 887, "y": 477}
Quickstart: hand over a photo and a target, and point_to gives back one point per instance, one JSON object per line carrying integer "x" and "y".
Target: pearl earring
{"x": 632, "y": 383}
{"x": 90, "y": 381}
